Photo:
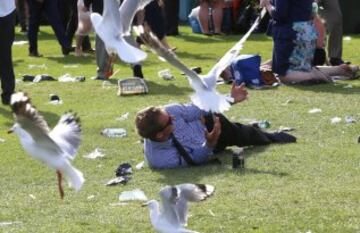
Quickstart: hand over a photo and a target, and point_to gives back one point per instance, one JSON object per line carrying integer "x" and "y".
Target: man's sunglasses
{"x": 169, "y": 122}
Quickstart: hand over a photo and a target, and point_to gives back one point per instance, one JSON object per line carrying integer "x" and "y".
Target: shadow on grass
{"x": 18, "y": 62}
{"x": 158, "y": 89}
{"x": 195, "y": 174}
{"x": 72, "y": 59}
{"x": 339, "y": 88}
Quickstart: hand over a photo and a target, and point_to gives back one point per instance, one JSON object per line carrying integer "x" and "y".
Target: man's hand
{"x": 213, "y": 136}
{"x": 239, "y": 93}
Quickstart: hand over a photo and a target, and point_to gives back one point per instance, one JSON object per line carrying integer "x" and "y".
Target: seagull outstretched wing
{"x": 187, "y": 193}
{"x": 205, "y": 97}
{"x": 155, "y": 45}
{"x": 52, "y": 148}
{"x": 31, "y": 121}
{"x": 109, "y": 28}
{"x": 67, "y": 134}
{"x": 128, "y": 10}
{"x": 231, "y": 54}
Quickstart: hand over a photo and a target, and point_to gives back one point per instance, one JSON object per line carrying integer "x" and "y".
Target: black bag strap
{"x": 188, "y": 158}
{"x": 182, "y": 152}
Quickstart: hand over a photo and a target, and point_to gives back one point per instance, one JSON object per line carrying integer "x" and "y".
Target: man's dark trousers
{"x": 7, "y": 36}
{"x": 51, "y": 10}
{"x": 236, "y": 134}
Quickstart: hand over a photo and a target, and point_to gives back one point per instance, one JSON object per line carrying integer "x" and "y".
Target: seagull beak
{"x": 10, "y": 131}
{"x": 144, "y": 204}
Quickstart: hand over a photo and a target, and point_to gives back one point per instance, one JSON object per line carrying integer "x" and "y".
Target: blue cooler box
{"x": 246, "y": 69}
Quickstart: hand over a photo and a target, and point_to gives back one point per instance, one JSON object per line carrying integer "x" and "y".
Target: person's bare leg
{"x": 344, "y": 70}
{"x": 204, "y": 17}
{"x": 218, "y": 17}
{"x": 78, "y": 49}
{"x": 298, "y": 76}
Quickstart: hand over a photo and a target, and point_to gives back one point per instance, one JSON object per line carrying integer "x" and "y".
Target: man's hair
{"x": 147, "y": 122}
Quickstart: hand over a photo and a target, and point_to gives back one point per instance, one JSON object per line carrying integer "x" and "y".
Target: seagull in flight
{"x": 206, "y": 97}
{"x": 172, "y": 215}
{"x": 54, "y": 148}
{"x": 114, "y": 26}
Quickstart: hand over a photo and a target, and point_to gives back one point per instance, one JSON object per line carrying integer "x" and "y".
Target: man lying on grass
{"x": 182, "y": 134}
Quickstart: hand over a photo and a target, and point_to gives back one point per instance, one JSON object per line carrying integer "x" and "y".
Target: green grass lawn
{"x": 312, "y": 185}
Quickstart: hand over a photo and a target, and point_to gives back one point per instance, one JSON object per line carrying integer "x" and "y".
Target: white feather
{"x": 110, "y": 29}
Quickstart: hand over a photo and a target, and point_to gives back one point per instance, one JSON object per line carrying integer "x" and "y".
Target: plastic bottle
{"x": 114, "y": 132}
{"x": 264, "y": 124}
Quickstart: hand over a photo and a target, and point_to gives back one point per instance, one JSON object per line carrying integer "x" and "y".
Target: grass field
{"x": 310, "y": 186}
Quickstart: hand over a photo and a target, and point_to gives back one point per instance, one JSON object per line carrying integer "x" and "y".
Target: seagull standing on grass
{"x": 114, "y": 26}
{"x": 54, "y": 148}
{"x": 172, "y": 215}
{"x": 206, "y": 97}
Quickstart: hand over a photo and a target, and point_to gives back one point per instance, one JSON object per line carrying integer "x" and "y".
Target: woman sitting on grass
{"x": 295, "y": 36}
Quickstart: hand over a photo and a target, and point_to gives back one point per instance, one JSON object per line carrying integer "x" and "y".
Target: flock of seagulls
{"x": 58, "y": 147}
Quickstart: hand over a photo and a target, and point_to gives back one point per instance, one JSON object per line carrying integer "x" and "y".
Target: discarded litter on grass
{"x": 287, "y": 102}
{"x": 165, "y": 74}
{"x": 123, "y": 169}
{"x": 335, "y": 120}
{"x": 123, "y": 117}
{"x": 349, "y": 119}
{"x": 118, "y": 180}
{"x": 211, "y": 213}
{"x": 55, "y": 99}
{"x": 20, "y": 42}
{"x": 71, "y": 66}
{"x": 285, "y": 129}
{"x": 114, "y": 132}
{"x": 33, "y": 66}
{"x": 41, "y": 77}
{"x": 66, "y": 78}
{"x": 2, "y": 224}
{"x": 140, "y": 165}
{"x": 97, "y": 153}
{"x": 134, "y": 195}
{"x": 315, "y": 110}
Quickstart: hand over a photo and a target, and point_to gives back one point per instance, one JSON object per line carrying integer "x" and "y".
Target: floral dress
{"x": 304, "y": 49}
